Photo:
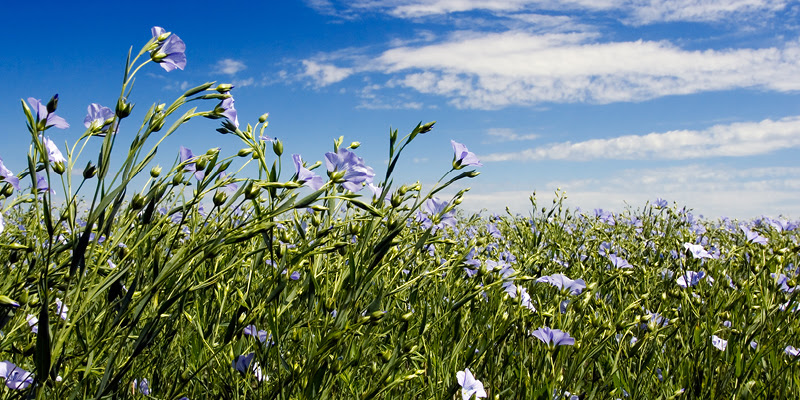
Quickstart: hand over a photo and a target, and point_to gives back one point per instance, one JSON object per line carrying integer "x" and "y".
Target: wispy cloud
{"x": 229, "y": 66}
{"x": 324, "y": 74}
{"x": 517, "y": 67}
{"x": 636, "y": 12}
{"x": 712, "y": 190}
{"x": 507, "y": 135}
{"x": 730, "y": 140}
{"x": 523, "y": 68}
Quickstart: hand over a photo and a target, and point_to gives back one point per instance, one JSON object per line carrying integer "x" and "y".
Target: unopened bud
{"x": 224, "y": 87}
{"x": 177, "y": 179}
{"x": 123, "y": 108}
{"x": 251, "y": 191}
{"x": 156, "y": 124}
{"x": 396, "y": 200}
{"x": 201, "y": 163}
{"x": 8, "y": 190}
{"x": 277, "y": 147}
{"x": 52, "y": 104}
{"x": 155, "y": 172}
{"x": 137, "y": 202}
{"x": 219, "y": 198}
{"x": 427, "y": 127}
{"x": 263, "y": 118}
{"x": 58, "y": 168}
{"x": 224, "y": 166}
{"x": 355, "y": 145}
{"x": 90, "y": 171}
{"x": 244, "y": 152}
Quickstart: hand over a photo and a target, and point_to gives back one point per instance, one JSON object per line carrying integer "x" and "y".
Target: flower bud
{"x": 201, "y": 163}
{"x": 251, "y": 191}
{"x": 156, "y": 124}
{"x": 137, "y": 202}
{"x": 90, "y": 171}
{"x": 224, "y": 87}
{"x": 263, "y": 118}
{"x": 427, "y": 127}
{"x": 396, "y": 200}
{"x": 177, "y": 179}
{"x": 277, "y": 147}
{"x": 155, "y": 172}
{"x": 52, "y": 104}
{"x": 8, "y": 190}
{"x": 219, "y": 198}
{"x": 59, "y": 168}
{"x": 355, "y": 145}
{"x": 123, "y": 108}
{"x": 162, "y": 37}
{"x": 244, "y": 152}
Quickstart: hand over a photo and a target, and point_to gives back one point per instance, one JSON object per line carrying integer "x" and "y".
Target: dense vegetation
{"x": 207, "y": 284}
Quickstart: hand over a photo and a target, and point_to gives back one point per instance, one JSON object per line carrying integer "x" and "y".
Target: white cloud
{"x": 635, "y": 12}
{"x": 730, "y": 140}
{"x": 492, "y": 70}
{"x": 240, "y": 83}
{"x": 701, "y": 10}
{"x": 229, "y": 66}
{"x": 325, "y": 74}
{"x": 507, "y": 135}
{"x": 714, "y": 191}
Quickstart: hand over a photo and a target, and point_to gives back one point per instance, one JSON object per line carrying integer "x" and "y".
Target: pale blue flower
{"x": 697, "y": 250}
{"x": 562, "y": 282}
{"x": 242, "y": 364}
{"x": 354, "y": 173}
{"x": 753, "y": 237}
{"x": 33, "y": 322}
{"x": 463, "y": 157}
{"x": 61, "y": 309}
{"x": 553, "y": 337}
{"x": 791, "y": 351}
{"x": 186, "y": 155}
{"x": 259, "y": 334}
{"x": 98, "y": 118}
{"x": 8, "y": 176}
{"x": 53, "y": 154}
{"x": 42, "y": 114}
{"x": 433, "y": 207}
{"x": 226, "y": 109}
{"x": 170, "y": 53}
{"x": 469, "y": 385}
{"x": 42, "y": 185}
{"x": 719, "y": 343}
{"x": 690, "y": 278}
{"x": 304, "y": 175}
{"x": 143, "y": 387}
{"x": 618, "y": 262}
{"x": 783, "y": 281}
{"x": 16, "y": 377}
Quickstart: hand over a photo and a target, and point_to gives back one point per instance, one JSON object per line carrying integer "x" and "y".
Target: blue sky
{"x": 614, "y": 101}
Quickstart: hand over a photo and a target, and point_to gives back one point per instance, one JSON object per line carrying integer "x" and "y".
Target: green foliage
{"x": 344, "y": 296}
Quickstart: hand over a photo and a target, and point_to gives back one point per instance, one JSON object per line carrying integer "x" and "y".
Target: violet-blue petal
{"x": 464, "y": 157}
{"x": 305, "y": 175}
{"x": 96, "y": 116}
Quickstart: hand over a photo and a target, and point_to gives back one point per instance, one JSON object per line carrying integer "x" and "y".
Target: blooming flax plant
{"x": 148, "y": 281}
{"x": 196, "y": 280}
